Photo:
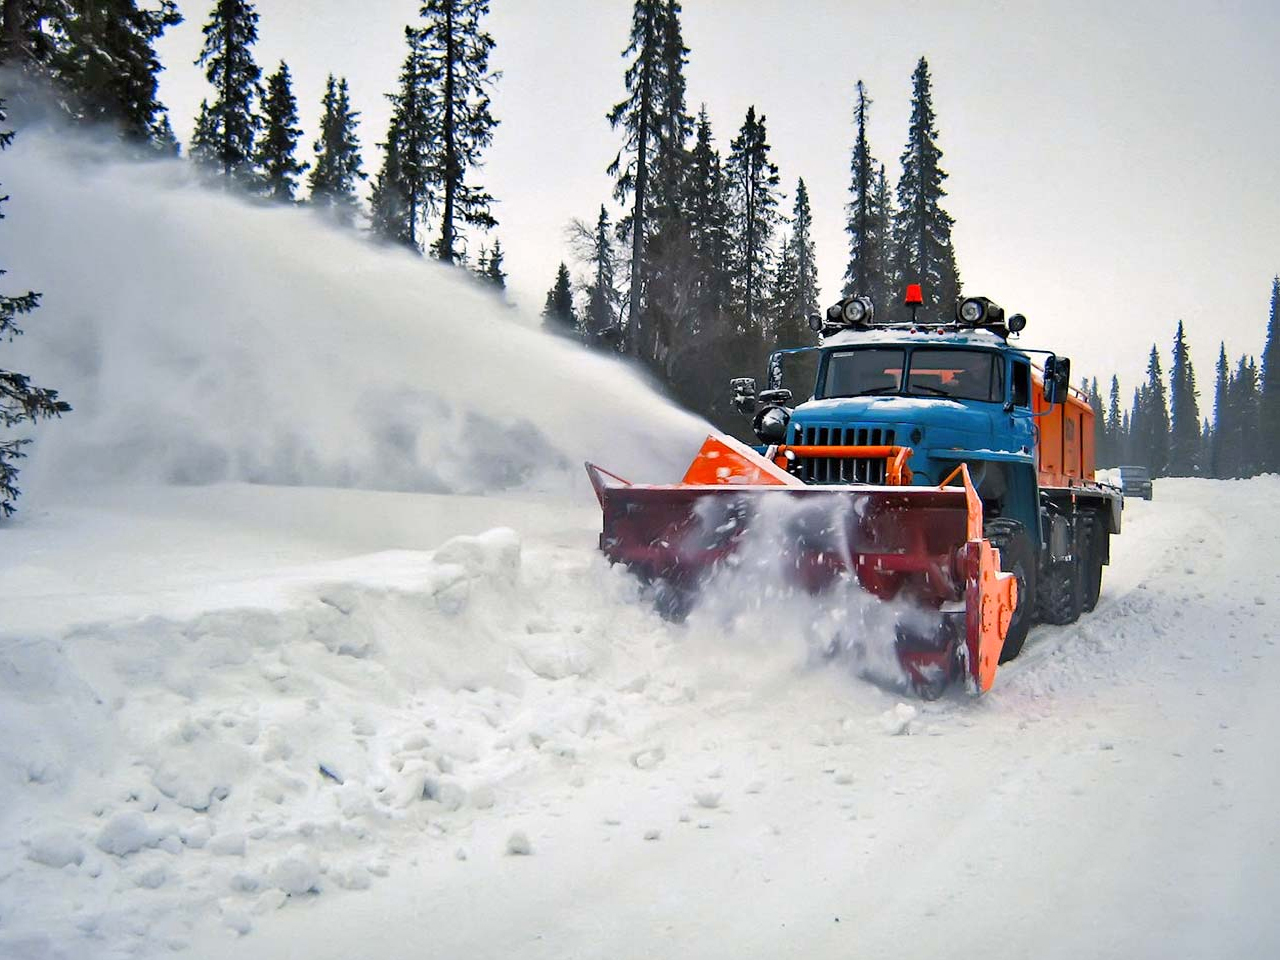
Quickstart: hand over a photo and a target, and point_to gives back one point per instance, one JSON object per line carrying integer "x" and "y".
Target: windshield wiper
{"x": 937, "y": 391}
{"x": 875, "y": 391}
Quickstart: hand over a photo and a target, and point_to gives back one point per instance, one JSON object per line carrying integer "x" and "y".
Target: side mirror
{"x": 743, "y": 395}
{"x": 1057, "y": 379}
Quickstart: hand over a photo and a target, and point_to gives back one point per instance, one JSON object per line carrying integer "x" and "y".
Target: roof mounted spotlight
{"x": 858, "y": 311}
{"x": 978, "y": 312}
{"x": 1016, "y": 323}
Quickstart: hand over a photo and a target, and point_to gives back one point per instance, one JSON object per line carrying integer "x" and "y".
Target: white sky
{"x": 1114, "y": 167}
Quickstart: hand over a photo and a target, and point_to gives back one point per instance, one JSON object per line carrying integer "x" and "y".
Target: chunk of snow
{"x": 518, "y": 844}
{"x": 126, "y": 833}
{"x": 897, "y": 722}
{"x": 707, "y": 798}
{"x": 56, "y": 848}
{"x": 296, "y": 873}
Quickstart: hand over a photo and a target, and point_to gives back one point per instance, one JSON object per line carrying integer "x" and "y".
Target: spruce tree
{"x": 455, "y": 51}
{"x": 708, "y": 230}
{"x": 231, "y": 125}
{"x": 753, "y": 183}
{"x": 1115, "y": 426}
{"x": 98, "y": 55}
{"x": 601, "y": 324}
{"x": 1156, "y": 416}
{"x": 1269, "y": 401}
{"x": 491, "y": 268}
{"x": 1222, "y": 425}
{"x": 164, "y": 140}
{"x": 405, "y": 194}
{"x": 1184, "y": 443}
{"x": 337, "y": 167}
{"x": 21, "y": 401}
{"x": 1244, "y": 459}
{"x": 869, "y": 269}
{"x": 794, "y": 297}
{"x": 640, "y": 115}
{"x": 557, "y": 313}
{"x": 278, "y": 167}
{"x": 922, "y": 229}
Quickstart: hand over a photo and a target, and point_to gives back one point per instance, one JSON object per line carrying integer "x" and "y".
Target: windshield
{"x": 935, "y": 372}
{"x": 856, "y": 373}
{"x": 960, "y": 374}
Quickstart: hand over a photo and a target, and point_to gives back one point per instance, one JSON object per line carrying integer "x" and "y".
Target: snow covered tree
{"x": 1269, "y": 401}
{"x": 21, "y": 401}
{"x": 337, "y": 168}
{"x": 278, "y": 167}
{"x": 99, "y": 56}
{"x": 230, "y": 125}
{"x": 404, "y": 194}
{"x": 558, "y": 314}
{"x": 164, "y": 140}
{"x": 1184, "y": 443}
{"x": 455, "y": 51}
{"x": 869, "y": 270}
{"x": 922, "y": 229}
{"x": 753, "y": 185}
{"x": 1243, "y": 454}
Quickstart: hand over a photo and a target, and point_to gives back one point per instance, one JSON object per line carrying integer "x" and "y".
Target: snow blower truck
{"x": 935, "y": 463}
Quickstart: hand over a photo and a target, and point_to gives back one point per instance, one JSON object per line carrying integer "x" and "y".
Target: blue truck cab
{"x": 954, "y": 392}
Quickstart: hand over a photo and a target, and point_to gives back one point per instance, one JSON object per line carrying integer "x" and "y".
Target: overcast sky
{"x": 1113, "y": 167}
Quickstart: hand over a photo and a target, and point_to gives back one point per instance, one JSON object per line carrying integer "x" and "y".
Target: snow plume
{"x": 755, "y": 597}
{"x": 204, "y": 338}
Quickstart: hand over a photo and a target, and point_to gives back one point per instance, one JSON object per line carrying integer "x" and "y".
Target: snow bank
{"x": 202, "y": 338}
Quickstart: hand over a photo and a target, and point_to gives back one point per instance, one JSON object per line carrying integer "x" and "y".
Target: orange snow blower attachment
{"x": 915, "y": 543}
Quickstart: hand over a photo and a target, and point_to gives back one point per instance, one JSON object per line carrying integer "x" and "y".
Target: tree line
{"x": 704, "y": 275}
{"x": 1163, "y": 428}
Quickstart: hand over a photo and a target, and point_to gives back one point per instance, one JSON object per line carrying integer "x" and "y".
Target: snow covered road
{"x": 181, "y": 698}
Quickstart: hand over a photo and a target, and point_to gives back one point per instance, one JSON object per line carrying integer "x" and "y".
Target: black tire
{"x": 1061, "y": 591}
{"x": 1017, "y": 556}
{"x": 1092, "y": 541}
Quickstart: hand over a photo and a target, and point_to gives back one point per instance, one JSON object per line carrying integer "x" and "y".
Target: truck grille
{"x": 842, "y": 469}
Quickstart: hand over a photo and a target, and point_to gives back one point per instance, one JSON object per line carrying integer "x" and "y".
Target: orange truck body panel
{"x": 1065, "y": 455}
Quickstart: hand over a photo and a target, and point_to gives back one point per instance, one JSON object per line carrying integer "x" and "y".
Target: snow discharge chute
{"x": 916, "y": 543}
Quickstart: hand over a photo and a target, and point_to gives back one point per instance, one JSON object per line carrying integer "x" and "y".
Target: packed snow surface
{"x": 306, "y": 649}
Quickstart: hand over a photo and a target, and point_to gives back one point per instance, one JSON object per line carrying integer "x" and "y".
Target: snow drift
{"x": 202, "y": 338}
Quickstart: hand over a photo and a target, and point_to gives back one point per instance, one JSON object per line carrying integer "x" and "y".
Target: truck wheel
{"x": 1061, "y": 591}
{"x": 1092, "y": 542}
{"x": 1018, "y": 557}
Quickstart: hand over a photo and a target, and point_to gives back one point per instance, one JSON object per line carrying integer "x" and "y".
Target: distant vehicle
{"x": 1136, "y": 482}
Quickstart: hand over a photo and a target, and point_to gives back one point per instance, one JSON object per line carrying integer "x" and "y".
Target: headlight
{"x": 771, "y": 424}
{"x": 971, "y": 311}
{"x": 857, "y": 310}
{"x": 833, "y": 313}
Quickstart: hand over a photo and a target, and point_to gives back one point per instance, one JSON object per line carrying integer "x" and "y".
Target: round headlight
{"x": 971, "y": 311}
{"x": 1017, "y": 322}
{"x": 771, "y": 424}
{"x": 855, "y": 311}
{"x": 833, "y": 313}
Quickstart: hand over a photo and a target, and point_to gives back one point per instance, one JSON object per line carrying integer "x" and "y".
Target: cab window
{"x": 1021, "y": 382}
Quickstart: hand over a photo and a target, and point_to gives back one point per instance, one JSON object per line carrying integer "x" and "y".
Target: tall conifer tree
{"x": 337, "y": 169}
{"x": 1222, "y": 425}
{"x": 1156, "y": 418}
{"x": 231, "y": 125}
{"x": 1184, "y": 445}
{"x": 558, "y": 315}
{"x": 455, "y": 49}
{"x": 869, "y": 270}
{"x": 708, "y": 230}
{"x": 277, "y": 164}
{"x": 601, "y": 323}
{"x": 1269, "y": 401}
{"x": 922, "y": 229}
{"x": 404, "y": 193}
{"x": 753, "y": 185}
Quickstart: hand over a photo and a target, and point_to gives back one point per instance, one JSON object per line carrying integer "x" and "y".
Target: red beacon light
{"x": 915, "y": 296}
